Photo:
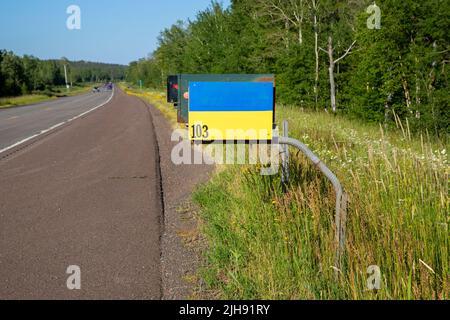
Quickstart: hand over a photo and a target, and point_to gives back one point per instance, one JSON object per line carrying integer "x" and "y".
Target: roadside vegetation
{"x": 371, "y": 102}
{"x": 27, "y": 79}
{"x": 268, "y": 244}
{"x": 400, "y": 68}
{"x": 37, "y": 97}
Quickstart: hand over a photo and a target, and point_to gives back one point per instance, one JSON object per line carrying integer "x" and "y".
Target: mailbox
{"x": 236, "y": 107}
{"x": 172, "y": 89}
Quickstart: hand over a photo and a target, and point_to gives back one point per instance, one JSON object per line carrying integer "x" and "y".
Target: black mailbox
{"x": 172, "y": 89}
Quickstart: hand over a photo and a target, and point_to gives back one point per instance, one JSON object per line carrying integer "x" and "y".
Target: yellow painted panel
{"x": 240, "y": 125}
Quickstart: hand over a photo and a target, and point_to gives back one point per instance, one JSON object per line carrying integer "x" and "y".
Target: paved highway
{"x": 86, "y": 194}
{"x": 17, "y": 124}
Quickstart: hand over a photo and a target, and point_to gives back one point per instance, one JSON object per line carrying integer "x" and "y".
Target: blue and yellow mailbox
{"x": 230, "y": 110}
{"x": 226, "y": 107}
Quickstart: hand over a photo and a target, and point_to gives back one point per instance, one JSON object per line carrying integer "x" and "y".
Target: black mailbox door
{"x": 172, "y": 89}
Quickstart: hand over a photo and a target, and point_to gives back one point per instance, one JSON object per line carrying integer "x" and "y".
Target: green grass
{"x": 55, "y": 93}
{"x": 23, "y": 100}
{"x": 267, "y": 244}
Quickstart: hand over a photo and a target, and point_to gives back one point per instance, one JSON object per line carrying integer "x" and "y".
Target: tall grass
{"x": 268, "y": 244}
{"x": 23, "y": 100}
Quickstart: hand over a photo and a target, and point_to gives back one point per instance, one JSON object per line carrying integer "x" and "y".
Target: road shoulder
{"x": 180, "y": 241}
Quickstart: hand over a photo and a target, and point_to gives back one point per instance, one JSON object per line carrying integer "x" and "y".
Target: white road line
{"x": 57, "y": 126}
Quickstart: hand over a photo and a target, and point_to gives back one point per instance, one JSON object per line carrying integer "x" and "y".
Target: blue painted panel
{"x": 230, "y": 96}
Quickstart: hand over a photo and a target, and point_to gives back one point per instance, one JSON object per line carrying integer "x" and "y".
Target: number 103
{"x": 198, "y": 131}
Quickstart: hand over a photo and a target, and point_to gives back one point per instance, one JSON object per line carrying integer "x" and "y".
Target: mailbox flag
{"x": 172, "y": 89}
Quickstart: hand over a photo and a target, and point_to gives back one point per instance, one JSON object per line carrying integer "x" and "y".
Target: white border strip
{"x": 58, "y": 125}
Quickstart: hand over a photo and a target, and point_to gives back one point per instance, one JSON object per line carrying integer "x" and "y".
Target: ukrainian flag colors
{"x": 231, "y": 110}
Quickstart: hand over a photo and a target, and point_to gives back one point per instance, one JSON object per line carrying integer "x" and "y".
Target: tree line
{"x": 326, "y": 54}
{"x": 28, "y": 74}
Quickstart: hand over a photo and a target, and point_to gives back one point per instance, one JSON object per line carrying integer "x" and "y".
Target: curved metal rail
{"x": 341, "y": 197}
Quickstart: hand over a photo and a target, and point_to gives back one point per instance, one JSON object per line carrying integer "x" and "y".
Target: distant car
{"x": 95, "y": 89}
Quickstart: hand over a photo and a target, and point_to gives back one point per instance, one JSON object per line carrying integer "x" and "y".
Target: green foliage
{"x": 12, "y": 73}
{"x": 27, "y": 74}
{"x": 295, "y": 84}
{"x": 400, "y": 68}
{"x": 85, "y": 71}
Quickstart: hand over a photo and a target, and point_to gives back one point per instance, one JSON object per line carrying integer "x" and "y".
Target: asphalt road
{"x": 87, "y": 194}
{"x": 17, "y": 124}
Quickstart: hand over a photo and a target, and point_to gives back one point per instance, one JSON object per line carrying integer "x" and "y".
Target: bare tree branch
{"x": 346, "y": 52}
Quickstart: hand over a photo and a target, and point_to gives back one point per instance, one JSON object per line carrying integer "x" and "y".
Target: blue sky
{"x": 114, "y": 31}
